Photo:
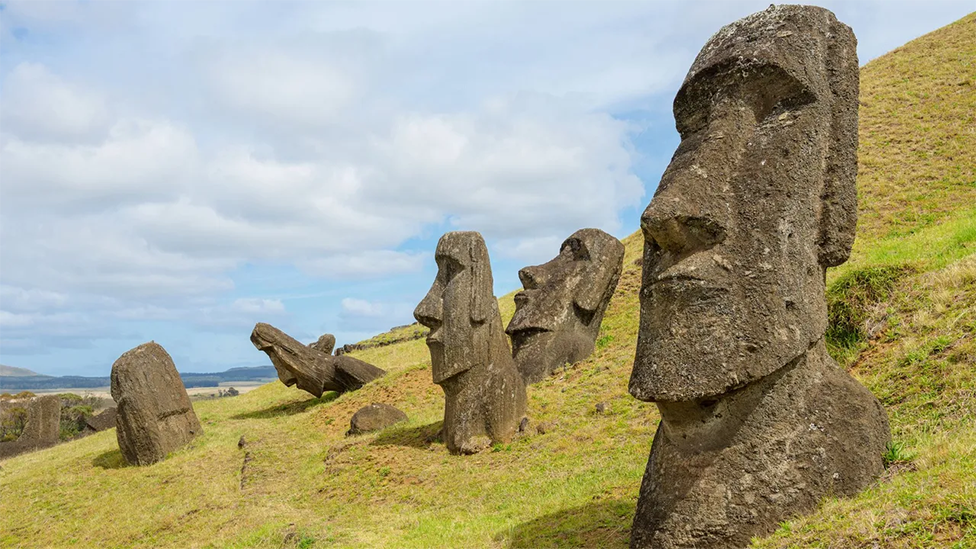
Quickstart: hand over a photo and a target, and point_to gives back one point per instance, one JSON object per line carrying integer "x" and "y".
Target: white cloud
{"x": 360, "y": 307}
{"x": 257, "y": 305}
{"x": 139, "y": 160}
{"x": 363, "y": 315}
{"x": 38, "y": 104}
{"x": 370, "y": 263}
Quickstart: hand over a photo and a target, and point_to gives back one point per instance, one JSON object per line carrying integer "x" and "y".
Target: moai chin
{"x": 558, "y": 314}
{"x": 758, "y": 422}
{"x": 470, "y": 359}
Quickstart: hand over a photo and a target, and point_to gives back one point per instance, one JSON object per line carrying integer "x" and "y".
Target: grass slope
{"x": 907, "y": 299}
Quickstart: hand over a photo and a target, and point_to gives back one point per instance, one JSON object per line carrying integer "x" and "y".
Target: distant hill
{"x": 13, "y": 371}
{"x": 31, "y": 381}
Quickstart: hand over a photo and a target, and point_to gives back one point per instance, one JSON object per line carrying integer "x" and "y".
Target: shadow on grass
{"x": 411, "y": 437}
{"x": 112, "y": 459}
{"x": 602, "y": 524}
{"x": 288, "y": 409}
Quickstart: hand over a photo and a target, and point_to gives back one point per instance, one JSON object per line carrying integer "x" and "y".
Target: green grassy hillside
{"x": 903, "y": 314}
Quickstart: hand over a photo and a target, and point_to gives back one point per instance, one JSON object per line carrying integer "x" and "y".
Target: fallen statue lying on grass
{"x": 309, "y": 369}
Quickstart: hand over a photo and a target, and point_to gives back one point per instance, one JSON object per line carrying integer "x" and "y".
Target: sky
{"x": 177, "y": 171}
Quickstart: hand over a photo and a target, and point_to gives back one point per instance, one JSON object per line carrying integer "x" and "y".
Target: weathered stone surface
{"x": 103, "y": 420}
{"x": 309, "y": 369}
{"x": 325, "y": 344}
{"x": 374, "y": 417}
{"x": 558, "y": 314}
{"x": 42, "y": 430}
{"x": 470, "y": 359}
{"x": 154, "y": 414}
{"x": 758, "y": 422}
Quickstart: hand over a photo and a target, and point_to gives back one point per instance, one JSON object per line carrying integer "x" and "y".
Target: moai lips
{"x": 484, "y": 394}
{"x": 758, "y": 422}
{"x": 558, "y": 314}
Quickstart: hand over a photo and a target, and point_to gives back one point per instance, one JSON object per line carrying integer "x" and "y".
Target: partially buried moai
{"x": 558, "y": 314}
{"x": 758, "y": 422}
{"x": 154, "y": 414}
{"x": 484, "y": 394}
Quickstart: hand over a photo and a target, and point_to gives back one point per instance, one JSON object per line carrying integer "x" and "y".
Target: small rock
{"x": 374, "y": 417}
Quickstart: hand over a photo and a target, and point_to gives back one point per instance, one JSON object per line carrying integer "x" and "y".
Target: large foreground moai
{"x": 154, "y": 414}
{"x": 484, "y": 394}
{"x": 42, "y": 430}
{"x": 308, "y": 368}
{"x": 758, "y": 422}
{"x": 558, "y": 314}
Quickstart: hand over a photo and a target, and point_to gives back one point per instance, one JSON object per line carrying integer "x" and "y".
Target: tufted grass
{"x": 574, "y": 482}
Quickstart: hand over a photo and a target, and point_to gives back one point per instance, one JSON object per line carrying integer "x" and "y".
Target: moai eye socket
{"x": 448, "y": 267}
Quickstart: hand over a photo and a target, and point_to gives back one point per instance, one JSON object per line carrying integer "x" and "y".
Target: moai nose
{"x": 680, "y": 232}
{"x": 430, "y": 311}
{"x": 533, "y": 277}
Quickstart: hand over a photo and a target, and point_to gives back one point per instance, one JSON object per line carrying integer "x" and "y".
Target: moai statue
{"x": 154, "y": 414}
{"x": 42, "y": 430}
{"x": 307, "y": 367}
{"x": 758, "y": 422}
{"x": 558, "y": 314}
{"x": 484, "y": 394}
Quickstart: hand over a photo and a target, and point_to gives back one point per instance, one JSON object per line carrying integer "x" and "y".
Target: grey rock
{"x": 309, "y": 369}
{"x": 374, "y": 417}
{"x": 42, "y": 430}
{"x": 470, "y": 359}
{"x": 103, "y": 420}
{"x": 325, "y": 344}
{"x": 758, "y": 422}
{"x": 558, "y": 314}
{"x": 154, "y": 414}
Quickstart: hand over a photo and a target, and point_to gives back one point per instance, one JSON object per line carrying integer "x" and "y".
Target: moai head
{"x": 459, "y": 306}
{"x": 759, "y": 199}
{"x": 558, "y": 314}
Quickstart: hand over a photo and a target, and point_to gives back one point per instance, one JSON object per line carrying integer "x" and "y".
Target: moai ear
{"x": 838, "y": 216}
{"x": 481, "y": 283}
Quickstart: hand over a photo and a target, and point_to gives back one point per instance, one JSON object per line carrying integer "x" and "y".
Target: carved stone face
{"x": 558, "y": 314}
{"x": 458, "y": 305}
{"x": 758, "y": 200}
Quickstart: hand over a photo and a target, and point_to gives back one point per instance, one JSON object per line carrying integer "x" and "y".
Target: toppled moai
{"x": 42, "y": 429}
{"x": 758, "y": 422}
{"x": 102, "y": 421}
{"x": 470, "y": 359}
{"x": 154, "y": 414}
{"x": 309, "y": 369}
{"x": 325, "y": 344}
{"x": 558, "y": 314}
